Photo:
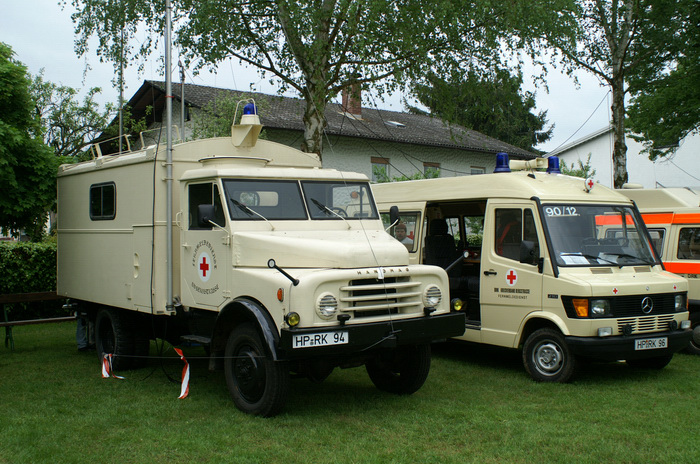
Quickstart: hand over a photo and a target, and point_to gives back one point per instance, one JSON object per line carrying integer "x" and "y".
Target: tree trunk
{"x": 314, "y": 120}
{"x": 619, "y": 154}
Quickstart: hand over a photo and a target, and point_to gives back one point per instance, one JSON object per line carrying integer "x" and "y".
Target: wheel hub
{"x": 249, "y": 374}
{"x": 548, "y": 358}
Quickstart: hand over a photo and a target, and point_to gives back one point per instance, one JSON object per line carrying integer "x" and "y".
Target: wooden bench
{"x": 14, "y": 298}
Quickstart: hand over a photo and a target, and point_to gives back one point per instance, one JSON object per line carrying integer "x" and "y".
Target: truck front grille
{"x": 374, "y": 297}
{"x": 645, "y": 324}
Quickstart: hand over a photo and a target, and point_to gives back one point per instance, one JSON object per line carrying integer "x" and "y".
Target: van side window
{"x": 512, "y": 227}
{"x": 689, "y": 243}
{"x": 204, "y": 194}
{"x": 657, "y": 239}
{"x": 103, "y": 201}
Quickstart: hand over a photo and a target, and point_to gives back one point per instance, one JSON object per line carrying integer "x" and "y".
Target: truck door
{"x": 205, "y": 251}
{"x": 510, "y": 289}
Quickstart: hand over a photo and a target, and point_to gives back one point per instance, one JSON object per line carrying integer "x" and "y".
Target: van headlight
{"x": 327, "y": 306}
{"x": 432, "y": 296}
{"x": 678, "y": 304}
{"x": 600, "y": 308}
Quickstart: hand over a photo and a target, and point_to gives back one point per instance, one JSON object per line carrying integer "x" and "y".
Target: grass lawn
{"x": 478, "y": 405}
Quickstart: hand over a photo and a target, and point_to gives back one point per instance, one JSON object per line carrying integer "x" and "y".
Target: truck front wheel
{"x": 402, "y": 370}
{"x": 258, "y": 384}
{"x": 547, "y": 357}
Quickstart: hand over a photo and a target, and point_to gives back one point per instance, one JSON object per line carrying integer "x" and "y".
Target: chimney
{"x": 352, "y": 100}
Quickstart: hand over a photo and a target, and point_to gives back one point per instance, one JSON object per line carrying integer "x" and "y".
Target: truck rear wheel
{"x": 116, "y": 333}
{"x": 547, "y": 357}
{"x": 258, "y": 384}
{"x": 402, "y": 371}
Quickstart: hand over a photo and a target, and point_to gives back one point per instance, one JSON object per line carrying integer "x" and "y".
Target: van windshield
{"x": 604, "y": 235}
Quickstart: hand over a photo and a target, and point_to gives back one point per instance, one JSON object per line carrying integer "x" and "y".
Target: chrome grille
{"x": 370, "y": 297}
{"x": 645, "y": 324}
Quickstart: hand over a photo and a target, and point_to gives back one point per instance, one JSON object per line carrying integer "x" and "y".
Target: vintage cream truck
{"x": 672, "y": 216}
{"x": 526, "y": 254}
{"x": 279, "y": 266}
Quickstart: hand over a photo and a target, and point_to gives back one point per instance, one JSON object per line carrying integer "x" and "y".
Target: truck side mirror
{"x": 527, "y": 252}
{"x": 205, "y": 214}
{"x": 394, "y": 217}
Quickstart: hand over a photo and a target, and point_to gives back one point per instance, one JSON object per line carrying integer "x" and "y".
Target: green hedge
{"x": 29, "y": 267}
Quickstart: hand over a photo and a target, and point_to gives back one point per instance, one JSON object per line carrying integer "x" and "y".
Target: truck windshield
{"x": 339, "y": 200}
{"x": 604, "y": 235}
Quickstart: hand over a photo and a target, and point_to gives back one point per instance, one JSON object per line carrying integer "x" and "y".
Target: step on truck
{"x": 279, "y": 266}
{"x": 672, "y": 217}
{"x": 527, "y": 255}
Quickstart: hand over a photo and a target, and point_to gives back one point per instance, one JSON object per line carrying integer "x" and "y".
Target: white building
{"x": 679, "y": 170}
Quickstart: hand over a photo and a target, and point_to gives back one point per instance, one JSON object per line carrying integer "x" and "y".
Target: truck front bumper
{"x": 355, "y": 339}
{"x": 623, "y": 347}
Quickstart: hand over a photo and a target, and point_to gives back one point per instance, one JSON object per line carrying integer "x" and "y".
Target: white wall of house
{"x": 680, "y": 170}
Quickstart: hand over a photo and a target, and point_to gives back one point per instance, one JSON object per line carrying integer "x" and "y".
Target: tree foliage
{"x": 27, "y": 165}
{"x": 579, "y": 169}
{"x": 619, "y": 41}
{"x": 215, "y": 117}
{"x": 319, "y": 47}
{"x": 494, "y": 105}
{"x": 665, "y": 104}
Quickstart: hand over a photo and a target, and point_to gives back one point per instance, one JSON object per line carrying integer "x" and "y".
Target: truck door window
{"x": 103, "y": 201}
{"x": 405, "y": 230}
{"x": 689, "y": 243}
{"x": 204, "y": 194}
{"x": 508, "y": 232}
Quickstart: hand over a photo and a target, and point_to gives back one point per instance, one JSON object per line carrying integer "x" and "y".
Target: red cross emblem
{"x": 511, "y": 277}
{"x": 203, "y": 266}
{"x": 674, "y": 286}
{"x": 615, "y": 291}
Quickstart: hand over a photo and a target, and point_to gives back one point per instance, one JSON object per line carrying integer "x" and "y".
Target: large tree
{"x": 319, "y": 47}
{"x": 493, "y": 104}
{"x": 610, "y": 43}
{"x": 665, "y": 104}
{"x": 27, "y": 165}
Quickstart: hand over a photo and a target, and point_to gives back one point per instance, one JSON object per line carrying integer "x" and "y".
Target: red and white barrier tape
{"x": 107, "y": 367}
{"x": 185, "y": 387}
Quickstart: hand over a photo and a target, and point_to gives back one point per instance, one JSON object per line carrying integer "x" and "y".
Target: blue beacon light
{"x": 502, "y": 162}
{"x": 249, "y": 108}
{"x": 553, "y": 165}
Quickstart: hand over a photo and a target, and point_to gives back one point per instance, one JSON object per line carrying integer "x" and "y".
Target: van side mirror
{"x": 394, "y": 217}
{"x": 205, "y": 214}
{"x": 527, "y": 252}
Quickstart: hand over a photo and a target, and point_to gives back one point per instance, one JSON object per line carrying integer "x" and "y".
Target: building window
{"x": 103, "y": 201}
{"x": 380, "y": 169}
{"x": 431, "y": 170}
{"x": 476, "y": 170}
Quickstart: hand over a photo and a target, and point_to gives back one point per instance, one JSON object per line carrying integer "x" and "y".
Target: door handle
{"x": 490, "y": 273}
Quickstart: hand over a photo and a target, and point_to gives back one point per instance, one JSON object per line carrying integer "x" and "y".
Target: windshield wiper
{"x": 585, "y": 255}
{"x": 626, "y": 255}
{"x": 250, "y": 212}
{"x": 327, "y": 210}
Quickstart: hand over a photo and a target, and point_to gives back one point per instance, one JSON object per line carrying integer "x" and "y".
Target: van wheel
{"x": 115, "y": 334}
{"x": 257, "y": 384}
{"x": 402, "y": 370}
{"x": 658, "y": 362}
{"x": 694, "y": 344}
{"x": 547, "y": 357}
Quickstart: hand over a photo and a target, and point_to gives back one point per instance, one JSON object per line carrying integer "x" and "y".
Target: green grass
{"x": 478, "y": 405}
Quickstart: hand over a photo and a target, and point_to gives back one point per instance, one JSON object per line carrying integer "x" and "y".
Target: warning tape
{"x": 108, "y": 372}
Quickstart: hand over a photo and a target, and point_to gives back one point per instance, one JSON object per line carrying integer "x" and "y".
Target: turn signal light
{"x": 280, "y": 294}
{"x": 581, "y": 307}
{"x": 292, "y": 319}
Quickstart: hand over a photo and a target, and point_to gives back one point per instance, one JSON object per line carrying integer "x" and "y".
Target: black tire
{"x": 694, "y": 344}
{"x": 117, "y": 333}
{"x": 258, "y": 385}
{"x": 401, "y": 371}
{"x": 657, "y": 363}
{"x": 547, "y": 357}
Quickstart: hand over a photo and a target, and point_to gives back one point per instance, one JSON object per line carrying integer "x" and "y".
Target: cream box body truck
{"x": 278, "y": 265}
{"x": 672, "y": 216}
{"x": 527, "y": 255}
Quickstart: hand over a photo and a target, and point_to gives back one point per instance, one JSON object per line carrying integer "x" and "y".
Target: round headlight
{"x": 678, "y": 303}
{"x": 600, "y": 308}
{"x": 327, "y": 306}
{"x": 432, "y": 296}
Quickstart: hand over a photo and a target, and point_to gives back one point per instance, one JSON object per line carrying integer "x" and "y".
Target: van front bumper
{"x": 623, "y": 347}
{"x": 352, "y": 339}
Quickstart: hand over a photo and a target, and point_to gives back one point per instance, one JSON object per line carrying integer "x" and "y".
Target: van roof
{"x": 664, "y": 199}
{"x": 516, "y": 185}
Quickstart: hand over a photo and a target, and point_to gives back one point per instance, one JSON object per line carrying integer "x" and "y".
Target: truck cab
{"x": 279, "y": 266}
{"x": 528, "y": 258}
{"x": 672, "y": 217}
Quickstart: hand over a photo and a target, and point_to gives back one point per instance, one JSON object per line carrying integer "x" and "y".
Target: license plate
{"x": 320, "y": 339}
{"x": 651, "y": 343}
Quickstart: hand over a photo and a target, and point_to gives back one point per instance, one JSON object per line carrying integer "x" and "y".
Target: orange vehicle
{"x": 672, "y": 216}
